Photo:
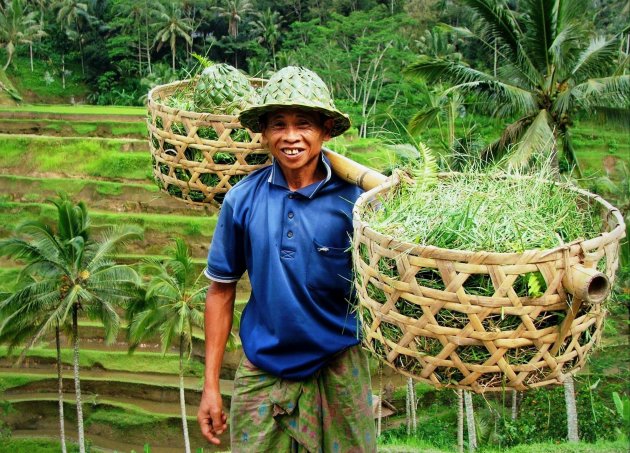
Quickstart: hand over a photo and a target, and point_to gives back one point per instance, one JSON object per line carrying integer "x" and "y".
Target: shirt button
{"x": 290, "y": 215}
{"x": 291, "y": 196}
{"x": 290, "y": 234}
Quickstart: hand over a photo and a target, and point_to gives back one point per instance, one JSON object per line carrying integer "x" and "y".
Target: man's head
{"x": 295, "y": 136}
{"x": 295, "y": 88}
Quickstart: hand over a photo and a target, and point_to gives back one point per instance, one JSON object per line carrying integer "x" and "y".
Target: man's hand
{"x": 211, "y": 418}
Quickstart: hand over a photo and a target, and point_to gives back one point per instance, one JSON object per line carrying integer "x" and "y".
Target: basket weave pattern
{"x": 452, "y": 337}
{"x": 188, "y": 166}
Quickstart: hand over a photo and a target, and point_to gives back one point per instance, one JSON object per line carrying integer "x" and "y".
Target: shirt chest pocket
{"x": 329, "y": 270}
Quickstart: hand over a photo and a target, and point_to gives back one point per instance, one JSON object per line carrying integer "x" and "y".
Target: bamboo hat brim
{"x": 295, "y": 88}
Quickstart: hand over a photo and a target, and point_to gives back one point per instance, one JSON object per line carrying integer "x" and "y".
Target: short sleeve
{"x": 226, "y": 258}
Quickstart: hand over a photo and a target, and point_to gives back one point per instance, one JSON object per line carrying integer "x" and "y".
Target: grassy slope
{"x": 79, "y": 109}
{"x": 116, "y": 361}
{"x": 33, "y": 85}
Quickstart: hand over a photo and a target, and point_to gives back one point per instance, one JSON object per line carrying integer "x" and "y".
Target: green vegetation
{"x": 35, "y": 445}
{"x": 495, "y": 213}
{"x": 100, "y": 158}
{"x": 142, "y": 362}
{"x": 122, "y": 419}
{"x": 8, "y": 381}
{"x": 14, "y": 213}
{"x": 79, "y": 109}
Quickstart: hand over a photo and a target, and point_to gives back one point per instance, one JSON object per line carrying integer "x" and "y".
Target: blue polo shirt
{"x": 295, "y": 247}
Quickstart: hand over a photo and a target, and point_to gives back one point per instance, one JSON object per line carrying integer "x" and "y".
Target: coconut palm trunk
{"x": 470, "y": 420}
{"x": 514, "y": 404}
{"x": 572, "y": 417}
{"x": 460, "y": 421}
{"x": 182, "y": 400}
{"x": 77, "y": 381}
{"x": 62, "y": 429}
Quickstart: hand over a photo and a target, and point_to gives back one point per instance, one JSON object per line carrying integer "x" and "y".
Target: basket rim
{"x": 616, "y": 233}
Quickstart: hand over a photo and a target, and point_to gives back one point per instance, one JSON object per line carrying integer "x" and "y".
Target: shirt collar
{"x": 276, "y": 177}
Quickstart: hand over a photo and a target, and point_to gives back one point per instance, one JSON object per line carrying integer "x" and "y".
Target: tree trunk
{"x": 63, "y": 71}
{"x": 572, "y": 417}
{"x": 380, "y": 401}
{"x": 182, "y": 400}
{"x": 31, "y": 54}
{"x": 514, "y": 404}
{"x": 408, "y": 410}
{"x": 146, "y": 23}
{"x": 77, "y": 381}
{"x": 412, "y": 404}
{"x": 62, "y": 429}
{"x": 470, "y": 421}
{"x": 460, "y": 421}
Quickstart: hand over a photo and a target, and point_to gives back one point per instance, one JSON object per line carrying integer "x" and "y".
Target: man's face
{"x": 295, "y": 137}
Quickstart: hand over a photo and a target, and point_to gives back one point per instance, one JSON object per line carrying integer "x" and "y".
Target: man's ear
{"x": 329, "y": 123}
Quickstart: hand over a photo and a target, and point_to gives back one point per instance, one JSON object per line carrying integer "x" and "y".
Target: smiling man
{"x": 303, "y": 384}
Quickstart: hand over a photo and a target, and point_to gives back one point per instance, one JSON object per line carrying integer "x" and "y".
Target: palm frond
{"x": 536, "y": 139}
{"x": 541, "y": 32}
{"x": 423, "y": 119}
{"x": 500, "y": 98}
{"x": 617, "y": 116}
{"x": 569, "y": 153}
{"x": 611, "y": 91}
{"x": 563, "y": 48}
{"x": 567, "y": 12}
{"x": 596, "y": 59}
{"x": 500, "y": 19}
{"x": 113, "y": 238}
{"x": 434, "y": 70}
{"x": 512, "y": 134}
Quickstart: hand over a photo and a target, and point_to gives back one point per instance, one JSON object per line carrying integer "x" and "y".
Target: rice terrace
{"x": 490, "y": 252}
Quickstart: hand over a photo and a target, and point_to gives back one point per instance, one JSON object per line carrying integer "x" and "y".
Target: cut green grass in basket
{"x": 500, "y": 211}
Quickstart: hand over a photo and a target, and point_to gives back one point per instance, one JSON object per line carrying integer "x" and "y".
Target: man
{"x": 304, "y": 383}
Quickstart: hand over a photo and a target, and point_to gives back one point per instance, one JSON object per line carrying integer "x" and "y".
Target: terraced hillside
{"x": 101, "y": 157}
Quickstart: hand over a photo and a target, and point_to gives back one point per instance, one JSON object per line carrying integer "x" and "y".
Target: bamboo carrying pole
{"x": 353, "y": 172}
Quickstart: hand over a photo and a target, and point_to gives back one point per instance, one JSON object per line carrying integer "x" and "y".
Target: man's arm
{"x": 218, "y": 323}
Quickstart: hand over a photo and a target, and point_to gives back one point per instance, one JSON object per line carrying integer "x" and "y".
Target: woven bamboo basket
{"x": 198, "y": 157}
{"x": 450, "y": 337}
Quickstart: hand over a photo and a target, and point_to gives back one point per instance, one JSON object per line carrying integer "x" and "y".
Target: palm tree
{"x": 268, "y": 29}
{"x": 17, "y": 26}
{"x": 550, "y": 66}
{"x": 172, "y": 26}
{"x": 137, "y": 16}
{"x": 234, "y": 10}
{"x": 73, "y": 16}
{"x": 443, "y": 107}
{"x": 174, "y": 308}
{"x": 21, "y": 325}
{"x": 71, "y": 272}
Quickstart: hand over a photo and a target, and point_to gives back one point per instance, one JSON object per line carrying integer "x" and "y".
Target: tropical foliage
{"x": 549, "y": 65}
{"x": 66, "y": 272}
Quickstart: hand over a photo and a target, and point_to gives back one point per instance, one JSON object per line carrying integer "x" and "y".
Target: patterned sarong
{"x": 329, "y": 412}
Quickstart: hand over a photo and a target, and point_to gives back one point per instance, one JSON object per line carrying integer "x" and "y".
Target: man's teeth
{"x": 290, "y": 151}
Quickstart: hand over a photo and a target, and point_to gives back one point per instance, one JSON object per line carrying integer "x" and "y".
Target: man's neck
{"x": 305, "y": 176}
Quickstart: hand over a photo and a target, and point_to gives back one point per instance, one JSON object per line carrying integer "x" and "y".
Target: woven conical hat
{"x": 295, "y": 87}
